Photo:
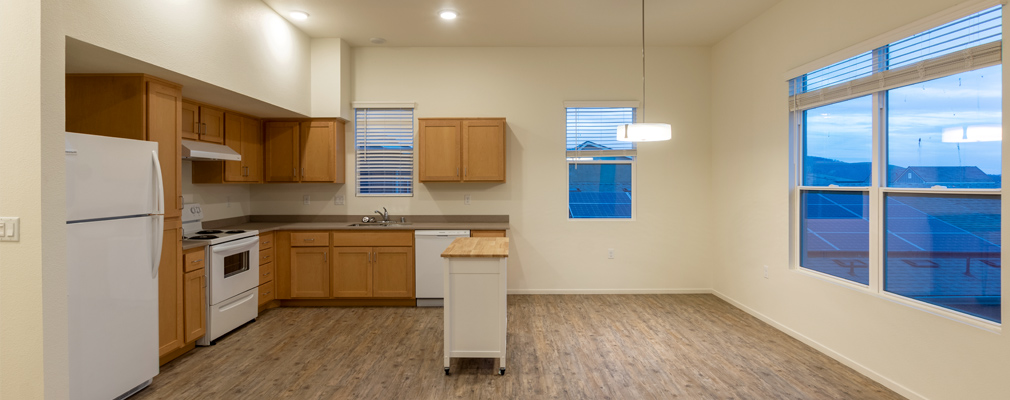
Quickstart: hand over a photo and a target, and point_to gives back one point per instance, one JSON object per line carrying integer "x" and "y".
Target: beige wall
{"x": 916, "y": 353}
{"x": 665, "y": 249}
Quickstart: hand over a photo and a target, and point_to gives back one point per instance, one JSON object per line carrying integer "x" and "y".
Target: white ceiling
{"x": 524, "y": 22}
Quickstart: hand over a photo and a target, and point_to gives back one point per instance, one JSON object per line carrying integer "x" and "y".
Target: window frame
{"x": 357, "y": 105}
{"x": 878, "y": 189}
{"x": 633, "y": 161}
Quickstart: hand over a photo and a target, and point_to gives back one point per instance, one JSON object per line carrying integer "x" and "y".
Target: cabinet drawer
{"x": 371, "y": 238}
{"x": 267, "y": 292}
{"x": 193, "y": 261}
{"x": 266, "y": 273}
{"x": 266, "y": 256}
{"x": 266, "y": 241}
{"x": 310, "y": 239}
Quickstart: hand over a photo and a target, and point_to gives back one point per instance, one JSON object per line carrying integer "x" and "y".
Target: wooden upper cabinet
{"x": 242, "y": 134}
{"x": 132, "y": 106}
{"x": 438, "y": 146}
{"x": 484, "y": 151}
{"x": 304, "y": 151}
{"x": 212, "y": 121}
{"x": 280, "y": 151}
{"x": 318, "y": 152}
{"x": 190, "y": 121}
{"x": 461, "y": 150}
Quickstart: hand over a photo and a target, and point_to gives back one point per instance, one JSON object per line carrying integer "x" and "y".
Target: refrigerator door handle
{"x": 159, "y": 239}
{"x": 160, "y": 196}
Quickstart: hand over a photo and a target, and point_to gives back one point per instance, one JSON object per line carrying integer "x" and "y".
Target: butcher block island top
{"x": 489, "y": 247}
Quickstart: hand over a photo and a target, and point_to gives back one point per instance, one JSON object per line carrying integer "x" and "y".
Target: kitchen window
{"x": 897, "y": 169}
{"x": 601, "y": 169}
{"x": 384, "y": 148}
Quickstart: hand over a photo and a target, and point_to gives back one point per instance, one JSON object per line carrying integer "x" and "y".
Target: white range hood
{"x": 202, "y": 151}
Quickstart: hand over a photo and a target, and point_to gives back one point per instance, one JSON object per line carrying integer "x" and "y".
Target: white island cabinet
{"x": 475, "y": 273}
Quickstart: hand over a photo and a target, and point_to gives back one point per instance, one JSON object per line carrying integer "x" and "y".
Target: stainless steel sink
{"x": 380, "y": 224}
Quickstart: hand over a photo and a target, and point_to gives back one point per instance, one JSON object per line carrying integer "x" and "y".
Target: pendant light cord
{"x": 643, "y": 61}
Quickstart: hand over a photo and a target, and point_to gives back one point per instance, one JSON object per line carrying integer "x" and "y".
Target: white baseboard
{"x": 826, "y": 350}
{"x": 609, "y": 291}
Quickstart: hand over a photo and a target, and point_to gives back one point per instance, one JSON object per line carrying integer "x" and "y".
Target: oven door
{"x": 234, "y": 268}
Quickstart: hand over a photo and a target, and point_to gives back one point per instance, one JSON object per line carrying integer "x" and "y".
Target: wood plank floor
{"x": 567, "y": 347}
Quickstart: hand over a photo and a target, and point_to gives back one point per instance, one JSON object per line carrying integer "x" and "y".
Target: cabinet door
{"x": 280, "y": 152}
{"x": 484, "y": 150}
{"x": 352, "y": 272}
{"x": 164, "y": 119}
{"x": 195, "y": 304}
{"x": 170, "y": 303}
{"x": 310, "y": 272}
{"x": 234, "y": 171}
{"x": 393, "y": 272}
{"x": 438, "y": 146}
{"x": 317, "y": 152}
{"x": 252, "y": 149}
{"x": 190, "y": 121}
{"x": 213, "y": 124}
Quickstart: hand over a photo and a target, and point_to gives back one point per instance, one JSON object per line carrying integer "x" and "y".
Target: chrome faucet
{"x": 384, "y": 214}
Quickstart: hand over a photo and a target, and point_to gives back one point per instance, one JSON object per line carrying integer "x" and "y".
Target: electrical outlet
{"x": 338, "y": 200}
{"x": 227, "y": 201}
{"x": 305, "y": 199}
{"x": 466, "y": 199}
{"x": 766, "y": 271}
{"x": 610, "y": 254}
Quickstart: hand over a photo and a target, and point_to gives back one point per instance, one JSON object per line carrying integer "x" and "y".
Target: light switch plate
{"x": 338, "y": 200}
{"x": 11, "y": 231}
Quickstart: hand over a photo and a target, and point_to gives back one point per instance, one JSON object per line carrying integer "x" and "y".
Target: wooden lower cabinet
{"x": 310, "y": 272}
{"x": 195, "y": 304}
{"x": 267, "y": 293}
{"x": 170, "y": 290}
{"x": 487, "y": 233}
{"x": 362, "y": 265}
{"x": 352, "y": 272}
{"x": 393, "y": 269}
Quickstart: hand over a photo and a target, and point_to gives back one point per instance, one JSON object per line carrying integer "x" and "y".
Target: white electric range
{"x": 232, "y": 269}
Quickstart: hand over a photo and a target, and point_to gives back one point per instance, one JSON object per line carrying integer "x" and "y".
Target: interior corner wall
{"x": 666, "y": 249}
{"x": 240, "y": 45}
{"x": 330, "y": 78}
{"x": 916, "y": 353}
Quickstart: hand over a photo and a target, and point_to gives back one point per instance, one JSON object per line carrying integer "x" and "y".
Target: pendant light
{"x": 642, "y": 131}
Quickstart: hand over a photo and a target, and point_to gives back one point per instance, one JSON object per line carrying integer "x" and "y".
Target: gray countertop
{"x": 329, "y": 226}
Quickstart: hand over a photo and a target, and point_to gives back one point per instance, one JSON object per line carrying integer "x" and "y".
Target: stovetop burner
{"x": 202, "y": 237}
{"x": 209, "y": 232}
{"x": 236, "y": 231}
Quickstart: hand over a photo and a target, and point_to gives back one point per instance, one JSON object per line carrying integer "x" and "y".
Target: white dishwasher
{"x": 428, "y": 248}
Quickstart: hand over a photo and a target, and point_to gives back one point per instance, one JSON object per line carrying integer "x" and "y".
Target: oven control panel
{"x": 191, "y": 212}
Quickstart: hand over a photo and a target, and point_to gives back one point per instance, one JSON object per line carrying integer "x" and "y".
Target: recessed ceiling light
{"x": 447, "y": 14}
{"x": 377, "y": 40}
{"x": 299, "y": 15}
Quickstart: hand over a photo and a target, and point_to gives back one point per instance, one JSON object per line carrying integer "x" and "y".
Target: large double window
{"x": 601, "y": 169}
{"x": 898, "y": 168}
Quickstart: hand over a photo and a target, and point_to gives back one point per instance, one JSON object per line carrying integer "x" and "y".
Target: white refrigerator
{"x": 115, "y": 217}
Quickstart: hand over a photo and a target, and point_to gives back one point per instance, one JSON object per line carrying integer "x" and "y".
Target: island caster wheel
{"x": 501, "y": 371}
{"x": 447, "y": 370}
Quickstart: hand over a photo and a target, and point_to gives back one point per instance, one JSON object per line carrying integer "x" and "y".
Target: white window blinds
{"x": 384, "y": 151}
{"x": 969, "y": 43}
{"x": 592, "y": 131}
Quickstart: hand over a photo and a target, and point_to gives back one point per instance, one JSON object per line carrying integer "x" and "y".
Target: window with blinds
{"x": 967, "y": 44}
{"x": 601, "y": 169}
{"x": 384, "y": 151}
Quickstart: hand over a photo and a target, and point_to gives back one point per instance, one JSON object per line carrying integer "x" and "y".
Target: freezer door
{"x": 110, "y": 177}
{"x": 113, "y": 306}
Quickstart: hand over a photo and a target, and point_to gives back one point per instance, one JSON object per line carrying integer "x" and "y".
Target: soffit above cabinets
{"x": 523, "y": 22}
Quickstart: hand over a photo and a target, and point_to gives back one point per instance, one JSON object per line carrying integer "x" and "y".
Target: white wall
{"x": 914, "y": 352}
{"x": 218, "y": 201}
{"x": 666, "y": 248}
{"x": 331, "y": 78}
{"x": 239, "y": 45}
